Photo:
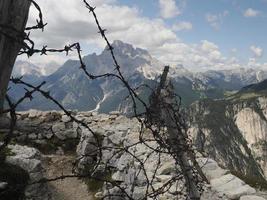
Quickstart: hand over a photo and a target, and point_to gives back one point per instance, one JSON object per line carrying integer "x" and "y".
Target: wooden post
{"x": 13, "y": 13}
{"x": 162, "y": 106}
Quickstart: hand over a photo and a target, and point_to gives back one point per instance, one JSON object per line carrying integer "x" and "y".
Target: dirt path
{"x": 66, "y": 189}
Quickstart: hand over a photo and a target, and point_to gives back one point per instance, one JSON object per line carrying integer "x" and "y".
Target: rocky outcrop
{"x": 226, "y": 146}
{"x": 251, "y": 120}
{"x": 118, "y": 131}
{"x": 234, "y": 133}
{"x": 216, "y": 133}
{"x": 49, "y": 131}
{"x": 29, "y": 159}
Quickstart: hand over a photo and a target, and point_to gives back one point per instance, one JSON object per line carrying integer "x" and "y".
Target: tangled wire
{"x": 163, "y": 129}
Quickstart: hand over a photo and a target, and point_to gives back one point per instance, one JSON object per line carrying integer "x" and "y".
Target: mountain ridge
{"x": 74, "y": 90}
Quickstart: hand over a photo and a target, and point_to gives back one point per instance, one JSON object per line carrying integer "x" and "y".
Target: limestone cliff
{"x": 234, "y": 133}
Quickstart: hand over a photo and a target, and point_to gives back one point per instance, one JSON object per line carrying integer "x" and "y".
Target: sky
{"x": 198, "y": 34}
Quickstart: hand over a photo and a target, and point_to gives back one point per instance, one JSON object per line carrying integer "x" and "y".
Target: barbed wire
{"x": 151, "y": 119}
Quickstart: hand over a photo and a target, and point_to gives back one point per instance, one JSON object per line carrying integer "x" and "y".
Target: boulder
{"x": 115, "y": 113}
{"x": 167, "y": 168}
{"x": 58, "y": 127}
{"x": 231, "y": 186}
{"x": 65, "y": 118}
{"x": 66, "y": 134}
{"x": 29, "y": 159}
{"x": 211, "y": 168}
{"x": 251, "y": 197}
{"x": 32, "y": 136}
{"x": 86, "y": 149}
{"x": 3, "y": 185}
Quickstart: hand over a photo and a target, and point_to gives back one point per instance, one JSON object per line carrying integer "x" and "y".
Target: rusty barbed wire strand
{"x": 145, "y": 119}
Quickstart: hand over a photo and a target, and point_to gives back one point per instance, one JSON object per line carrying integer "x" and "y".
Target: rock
{"x": 41, "y": 141}
{"x": 99, "y": 195}
{"x": 87, "y": 114}
{"x": 251, "y": 197}
{"x": 29, "y": 159}
{"x": 163, "y": 178}
{"x": 226, "y": 132}
{"x": 52, "y": 116}
{"x": 58, "y": 127}
{"x": 48, "y": 135}
{"x": 32, "y": 136}
{"x": 231, "y": 186}
{"x": 60, "y": 151}
{"x": 118, "y": 176}
{"x": 86, "y": 149}
{"x": 225, "y": 181}
{"x": 240, "y": 191}
{"x": 139, "y": 192}
{"x": 65, "y": 118}
{"x": 29, "y": 165}
{"x": 71, "y": 134}
{"x": 3, "y": 185}
{"x": 167, "y": 168}
{"x": 22, "y": 138}
{"x": 40, "y": 136}
{"x": 23, "y": 115}
{"x": 112, "y": 117}
{"x": 66, "y": 134}
{"x": 25, "y": 152}
{"x": 211, "y": 168}
{"x": 115, "y": 113}
{"x": 34, "y": 113}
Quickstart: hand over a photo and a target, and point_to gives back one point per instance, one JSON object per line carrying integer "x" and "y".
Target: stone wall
{"x": 54, "y": 130}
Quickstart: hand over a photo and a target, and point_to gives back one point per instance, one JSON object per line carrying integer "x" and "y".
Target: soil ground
{"x": 69, "y": 188}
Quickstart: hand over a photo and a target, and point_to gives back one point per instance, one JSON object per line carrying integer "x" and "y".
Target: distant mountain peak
{"x": 121, "y": 48}
{"x": 119, "y": 43}
{"x": 22, "y": 68}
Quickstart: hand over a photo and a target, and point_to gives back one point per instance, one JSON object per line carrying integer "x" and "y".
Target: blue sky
{"x": 198, "y": 34}
{"x": 235, "y": 31}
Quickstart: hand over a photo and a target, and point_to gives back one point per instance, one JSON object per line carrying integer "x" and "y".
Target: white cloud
{"x": 77, "y": 25}
{"x": 216, "y": 20}
{"x": 69, "y": 22}
{"x": 257, "y": 51}
{"x": 169, "y": 9}
{"x": 183, "y": 25}
{"x": 252, "y": 63}
{"x": 234, "y": 50}
{"x": 251, "y": 13}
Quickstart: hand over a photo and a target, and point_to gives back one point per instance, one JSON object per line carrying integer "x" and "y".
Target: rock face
{"x": 122, "y": 132}
{"x": 46, "y": 130}
{"x": 225, "y": 144}
{"x": 252, "y": 123}
{"x": 234, "y": 133}
{"x": 251, "y": 197}
{"x": 29, "y": 159}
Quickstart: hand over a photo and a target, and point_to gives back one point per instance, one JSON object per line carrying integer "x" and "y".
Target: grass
{"x": 4, "y": 153}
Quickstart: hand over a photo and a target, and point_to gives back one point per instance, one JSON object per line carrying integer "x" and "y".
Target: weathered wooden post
{"x": 13, "y": 19}
{"x": 162, "y": 105}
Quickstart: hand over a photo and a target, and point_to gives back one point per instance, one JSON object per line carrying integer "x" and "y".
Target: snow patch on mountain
{"x": 23, "y": 68}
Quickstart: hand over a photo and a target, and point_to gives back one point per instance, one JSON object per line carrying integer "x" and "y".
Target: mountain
{"x": 257, "y": 88}
{"x": 74, "y": 90}
{"x": 26, "y": 69}
{"x": 233, "y": 131}
{"x": 250, "y": 92}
